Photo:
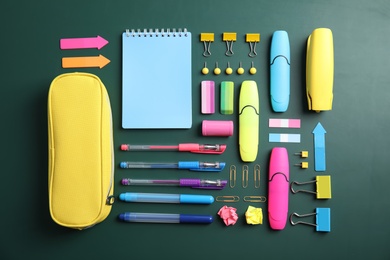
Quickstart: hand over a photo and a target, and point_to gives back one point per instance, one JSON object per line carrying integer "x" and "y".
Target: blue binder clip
{"x": 322, "y": 219}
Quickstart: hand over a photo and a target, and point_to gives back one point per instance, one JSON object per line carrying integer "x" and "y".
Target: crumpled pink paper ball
{"x": 228, "y": 214}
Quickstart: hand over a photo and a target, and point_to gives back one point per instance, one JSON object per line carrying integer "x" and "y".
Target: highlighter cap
{"x": 320, "y": 70}
{"x": 280, "y": 71}
{"x": 196, "y": 199}
{"x": 200, "y": 219}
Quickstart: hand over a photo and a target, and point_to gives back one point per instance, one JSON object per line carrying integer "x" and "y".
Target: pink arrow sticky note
{"x": 83, "y": 43}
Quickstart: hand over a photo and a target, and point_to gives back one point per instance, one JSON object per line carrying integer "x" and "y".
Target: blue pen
{"x": 188, "y": 165}
{"x": 280, "y": 71}
{"x": 166, "y": 198}
{"x": 165, "y": 218}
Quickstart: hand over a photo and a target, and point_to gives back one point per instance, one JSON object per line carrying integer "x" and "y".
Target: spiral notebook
{"x": 156, "y": 79}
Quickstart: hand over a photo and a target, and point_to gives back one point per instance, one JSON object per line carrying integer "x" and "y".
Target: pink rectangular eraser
{"x": 208, "y": 96}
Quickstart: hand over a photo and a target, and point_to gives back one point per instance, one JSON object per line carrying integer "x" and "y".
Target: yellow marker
{"x": 320, "y": 70}
{"x": 248, "y": 121}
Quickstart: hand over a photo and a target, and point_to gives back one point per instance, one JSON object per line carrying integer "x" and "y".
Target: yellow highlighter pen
{"x": 248, "y": 121}
{"x": 320, "y": 70}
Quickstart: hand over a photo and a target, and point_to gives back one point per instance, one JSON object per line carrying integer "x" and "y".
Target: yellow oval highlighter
{"x": 248, "y": 129}
{"x": 320, "y": 70}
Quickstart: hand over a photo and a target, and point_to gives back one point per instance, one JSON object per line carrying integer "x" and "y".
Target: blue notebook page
{"x": 156, "y": 80}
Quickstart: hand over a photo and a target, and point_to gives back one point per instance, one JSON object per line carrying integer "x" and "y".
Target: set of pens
{"x": 193, "y": 183}
{"x": 166, "y": 198}
{"x": 172, "y": 198}
{"x": 185, "y": 147}
{"x": 187, "y": 165}
{"x": 165, "y": 218}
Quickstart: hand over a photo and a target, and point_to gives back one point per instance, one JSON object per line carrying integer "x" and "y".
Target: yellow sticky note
{"x": 254, "y": 215}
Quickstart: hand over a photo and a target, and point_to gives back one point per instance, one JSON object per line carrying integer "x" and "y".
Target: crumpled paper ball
{"x": 254, "y": 216}
{"x": 228, "y": 214}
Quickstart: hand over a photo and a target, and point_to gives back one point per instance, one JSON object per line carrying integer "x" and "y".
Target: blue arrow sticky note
{"x": 319, "y": 148}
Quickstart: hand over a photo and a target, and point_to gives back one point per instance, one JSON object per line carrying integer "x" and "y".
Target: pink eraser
{"x": 278, "y": 189}
{"x": 217, "y": 128}
{"x": 208, "y": 97}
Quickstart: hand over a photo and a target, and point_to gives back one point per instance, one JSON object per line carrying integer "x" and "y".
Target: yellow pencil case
{"x": 81, "y": 154}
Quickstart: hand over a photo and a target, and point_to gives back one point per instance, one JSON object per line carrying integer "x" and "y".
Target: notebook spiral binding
{"x": 157, "y": 33}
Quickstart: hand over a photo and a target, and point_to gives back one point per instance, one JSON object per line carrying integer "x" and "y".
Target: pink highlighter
{"x": 278, "y": 189}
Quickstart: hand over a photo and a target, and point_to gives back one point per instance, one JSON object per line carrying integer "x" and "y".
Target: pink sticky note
{"x": 83, "y": 43}
{"x": 284, "y": 123}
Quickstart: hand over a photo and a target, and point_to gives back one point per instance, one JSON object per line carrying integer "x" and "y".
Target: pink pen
{"x": 278, "y": 188}
{"x": 186, "y": 147}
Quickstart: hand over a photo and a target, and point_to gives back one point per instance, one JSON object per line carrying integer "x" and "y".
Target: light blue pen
{"x": 166, "y": 198}
{"x": 187, "y": 165}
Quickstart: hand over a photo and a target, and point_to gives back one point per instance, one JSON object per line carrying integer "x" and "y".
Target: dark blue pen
{"x": 165, "y": 218}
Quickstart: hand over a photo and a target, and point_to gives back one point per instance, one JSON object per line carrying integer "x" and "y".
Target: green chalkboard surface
{"x": 356, "y": 139}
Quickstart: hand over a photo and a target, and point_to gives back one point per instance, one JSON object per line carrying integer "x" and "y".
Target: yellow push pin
{"x": 228, "y": 69}
{"x": 303, "y": 154}
{"x": 205, "y": 70}
{"x": 252, "y": 70}
{"x": 240, "y": 70}
{"x": 303, "y": 165}
{"x": 217, "y": 70}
